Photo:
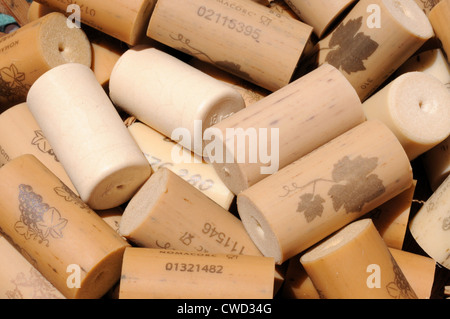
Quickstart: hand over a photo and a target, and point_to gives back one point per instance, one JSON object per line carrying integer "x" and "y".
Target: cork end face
{"x": 259, "y": 229}
{"x": 421, "y": 105}
{"x": 336, "y": 241}
{"x": 61, "y": 44}
{"x": 140, "y": 206}
{"x": 411, "y": 17}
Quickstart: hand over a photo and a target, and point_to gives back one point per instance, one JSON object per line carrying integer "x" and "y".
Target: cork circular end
{"x": 410, "y": 16}
{"x": 61, "y": 44}
{"x": 259, "y": 229}
{"x": 420, "y": 104}
{"x": 140, "y": 206}
{"x": 336, "y": 241}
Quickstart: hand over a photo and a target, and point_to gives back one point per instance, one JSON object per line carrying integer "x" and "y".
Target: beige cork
{"x": 171, "y": 96}
{"x": 391, "y": 218}
{"x": 20, "y": 134}
{"x": 70, "y": 245}
{"x": 37, "y": 10}
{"x": 364, "y": 47}
{"x": 355, "y": 263}
{"x": 439, "y": 16}
{"x": 282, "y": 127}
{"x": 427, "y": 5}
{"x": 430, "y": 227}
{"x": 88, "y": 136}
{"x": 172, "y": 274}
{"x": 35, "y": 48}
{"x": 125, "y": 20}
{"x": 437, "y": 163}
{"x": 321, "y": 192}
{"x": 242, "y": 37}
{"x": 159, "y": 151}
{"x": 416, "y": 107}
{"x": 320, "y": 14}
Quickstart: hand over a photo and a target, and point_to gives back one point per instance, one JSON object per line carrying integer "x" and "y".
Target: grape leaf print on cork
{"x": 38, "y": 221}
{"x": 349, "y": 48}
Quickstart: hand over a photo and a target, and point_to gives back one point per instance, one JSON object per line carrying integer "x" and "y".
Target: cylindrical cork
{"x": 168, "y": 212}
{"x": 19, "y": 279}
{"x": 430, "y": 227}
{"x": 122, "y": 19}
{"x": 391, "y": 218}
{"x": 70, "y": 245}
{"x": 364, "y": 47}
{"x": 437, "y": 163}
{"x": 416, "y": 107}
{"x": 171, "y": 96}
{"x": 88, "y": 136}
{"x": 20, "y": 134}
{"x": 427, "y": 5}
{"x": 282, "y": 127}
{"x": 355, "y": 263}
{"x": 439, "y": 16}
{"x": 419, "y": 271}
{"x": 35, "y": 48}
{"x": 159, "y": 151}
{"x": 37, "y": 10}
{"x": 172, "y": 274}
{"x": 321, "y": 192}
{"x": 320, "y": 14}
{"x": 243, "y": 37}
{"x": 432, "y": 62}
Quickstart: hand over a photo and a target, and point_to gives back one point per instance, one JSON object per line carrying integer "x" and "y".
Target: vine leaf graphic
{"x": 12, "y": 76}
{"x": 358, "y": 186}
{"x": 350, "y": 47}
{"x": 311, "y": 206}
{"x": 52, "y": 224}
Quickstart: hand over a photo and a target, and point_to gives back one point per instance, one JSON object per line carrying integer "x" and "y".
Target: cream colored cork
{"x": 439, "y": 20}
{"x": 172, "y": 274}
{"x": 88, "y": 136}
{"x": 280, "y": 128}
{"x": 125, "y": 20}
{"x": 159, "y": 150}
{"x": 241, "y": 37}
{"x": 67, "y": 242}
{"x": 365, "y": 47}
{"x": 355, "y": 263}
{"x": 320, "y": 14}
{"x": 20, "y": 134}
{"x": 35, "y": 48}
{"x": 430, "y": 227}
{"x": 323, "y": 191}
{"x": 416, "y": 107}
{"x": 171, "y": 96}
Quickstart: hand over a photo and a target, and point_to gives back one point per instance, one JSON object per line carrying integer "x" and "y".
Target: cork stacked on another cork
{"x": 246, "y": 149}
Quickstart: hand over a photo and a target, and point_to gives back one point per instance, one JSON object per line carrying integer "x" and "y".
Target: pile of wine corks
{"x": 209, "y": 149}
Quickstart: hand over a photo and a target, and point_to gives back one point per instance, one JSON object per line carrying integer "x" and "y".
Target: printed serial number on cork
{"x": 183, "y": 267}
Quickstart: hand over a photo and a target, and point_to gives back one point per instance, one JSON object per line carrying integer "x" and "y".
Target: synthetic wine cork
{"x": 355, "y": 263}
{"x": 19, "y": 279}
{"x": 168, "y": 212}
{"x": 56, "y": 231}
{"x": 88, "y": 136}
{"x": 20, "y": 134}
{"x": 172, "y": 274}
{"x": 320, "y": 14}
{"x": 35, "y": 48}
{"x": 159, "y": 151}
{"x": 171, "y": 96}
{"x": 437, "y": 163}
{"x": 419, "y": 271}
{"x": 430, "y": 227}
{"x": 321, "y": 192}
{"x": 364, "y": 47}
{"x": 416, "y": 107}
{"x": 391, "y": 218}
{"x": 122, "y": 19}
{"x": 439, "y": 20}
{"x": 284, "y": 126}
{"x": 244, "y": 38}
